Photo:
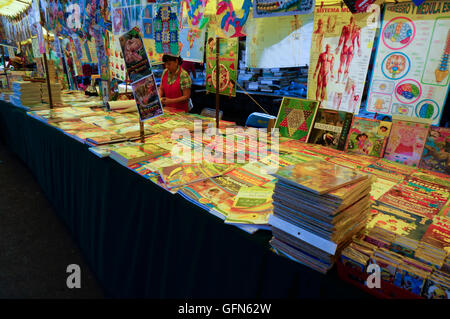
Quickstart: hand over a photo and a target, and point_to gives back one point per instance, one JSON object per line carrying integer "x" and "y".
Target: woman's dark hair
{"x": 167, "y": 58}
{"x": 361, "y": 135}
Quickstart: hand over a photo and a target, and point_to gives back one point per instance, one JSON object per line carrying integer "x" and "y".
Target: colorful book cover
{"x": 140, "y": 153}
{"x": 319, "y": 176}
{"x": 368, "y": 137}
{"x": 228, "y": 64}
{"x": 331, "y": 128}
{"x": 296, "y": 117}
{"x": 181, "y": 174}
{"x": 380, "y": 187}
{"x": 406, "y": 142}
{"x": 436, "y": 155}
{"x": 411, "y": 202}
{"x": 403, "y": 224}
{"x": 433, "y": 177}
{"x": 438, "y": 233}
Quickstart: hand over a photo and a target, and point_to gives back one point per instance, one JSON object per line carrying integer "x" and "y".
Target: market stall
{"x": 339, "y": 177}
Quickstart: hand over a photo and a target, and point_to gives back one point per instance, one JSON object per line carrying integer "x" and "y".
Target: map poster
{"x": 340, "y": 53}
{"x": 192, "y": 43}
{"x": 410, "y": 74}
{"x": 228, "y": 63}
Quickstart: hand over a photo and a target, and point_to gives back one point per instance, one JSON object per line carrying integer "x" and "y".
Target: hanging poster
{"x": 153, "y": 56}
{"x": 165, "y": 26}
{"x": 147, "y": 21}
{"x": 232, "y": 18}
{"x": 35, "y": 48}
{"x": 135, "y": 56}
{"x": 116, "y": 61}
{"x": 279, "y": 42}
{"x": 228, "y": 63}
{"x": 92, "y": 50}
{"x": 11, "y": 53}
{"x": 195, "y": 10}
{"x": 124, "y": 15}
{"x": 358, "y": 6}
{"x": 271, "y": 8}
{"x": 410, "y": 74}
{"x": 340, "y": 53}
{"x": 73, "y": 15}
{"x": 192, "y": 42}
{"x": 147, "y": 99}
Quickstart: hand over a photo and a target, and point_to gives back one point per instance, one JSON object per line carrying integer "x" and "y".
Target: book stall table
{"x": 142, "y": 241}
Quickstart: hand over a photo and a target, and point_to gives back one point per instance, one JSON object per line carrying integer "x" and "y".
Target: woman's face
{"x": 171, "y": 66}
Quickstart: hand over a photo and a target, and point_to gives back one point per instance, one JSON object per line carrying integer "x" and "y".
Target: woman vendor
{"x": 175, "y": 89}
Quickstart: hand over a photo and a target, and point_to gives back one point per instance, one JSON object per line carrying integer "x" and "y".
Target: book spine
{"x": 345, "y": 130}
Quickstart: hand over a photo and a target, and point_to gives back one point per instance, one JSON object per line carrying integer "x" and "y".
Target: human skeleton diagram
{"x": 349, "y": 34}
{"x": 325, "y": 67}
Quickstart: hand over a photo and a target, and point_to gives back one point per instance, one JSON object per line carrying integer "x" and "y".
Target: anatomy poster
{"x": 228, "y": 63}
{"x": 279, "y": 42}
{"x": 410, "y": 74}
{"x": 271, "y": 8}
{"x": 340, "y": 53}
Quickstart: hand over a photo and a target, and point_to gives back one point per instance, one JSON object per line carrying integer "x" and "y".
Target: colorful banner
{"x": 135, "y": 55}
{"x": 410, "y": 74}
{"x": 195, "y": 13}
{"x": 271, "y": 8}
{"x": 147, "y": 99}
{"x": 165, "y": 26}
{"x": 340, "y": 53}
{"x": 231, "y": 21}
{"x": 228, "y": 61}
{"x": 279, "y": 42}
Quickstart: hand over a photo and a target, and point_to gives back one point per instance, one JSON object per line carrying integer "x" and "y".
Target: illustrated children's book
{"x": 319, "y": 176}
{"x": 407, "y": 140}
{"x": 295, "y": 118}
{"x": 436, "y": 155}
{"x": 368, "y": 137}
{"x": 331, "y": 128}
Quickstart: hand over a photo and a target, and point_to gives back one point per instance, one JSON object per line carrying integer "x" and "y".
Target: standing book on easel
{"x": 295, "y": 118}
{"x": 331, "y": 128}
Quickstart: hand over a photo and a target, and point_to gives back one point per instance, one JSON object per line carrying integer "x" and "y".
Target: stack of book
{"x": 56, "y": 93}
{"x": 318, "y": 207}
{"x": 26, "y": 93}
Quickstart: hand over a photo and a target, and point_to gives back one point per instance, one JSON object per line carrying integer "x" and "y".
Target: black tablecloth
{"x": 142, "y": 241}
